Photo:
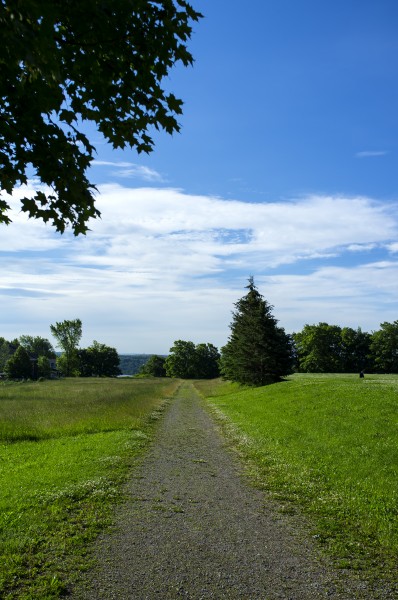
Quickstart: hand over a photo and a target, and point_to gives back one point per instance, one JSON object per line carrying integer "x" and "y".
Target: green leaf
{"x": 64, "y": 63}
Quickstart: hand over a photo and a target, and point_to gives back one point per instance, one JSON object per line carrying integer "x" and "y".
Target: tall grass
{"x": 328, "y": 443}
{"x": 39, "y": 410}
{"x": 65, "y": 448}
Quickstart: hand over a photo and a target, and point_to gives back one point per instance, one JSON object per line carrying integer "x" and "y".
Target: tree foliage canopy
{"x": 19, "y": 365}
{"x": 325, "y": 348}
{"x": 43, "y": 367}
{"x": 192, "y": 362}
{"x": 258, "y": 352}
{"x": 181, "y": 360}
{"x": 356, "y": 354}
{"x": 68, "y": 334}
{"x": 154, "y": 367}
{"x": 98, "y": 360}
{"x": 384, "y": 347}
{"x": 207, "y": 361}
{"x": 5, "y": 352}
{"x": 319, "y": 348}
{"x": 37, "y": 345}
{"x": 63, "y": 63}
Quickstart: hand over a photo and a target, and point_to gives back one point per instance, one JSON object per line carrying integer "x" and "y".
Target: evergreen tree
{"x": 258, "y": 352}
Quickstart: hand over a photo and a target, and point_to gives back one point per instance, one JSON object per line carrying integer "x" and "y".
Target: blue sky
{"x": 285, "y": 169}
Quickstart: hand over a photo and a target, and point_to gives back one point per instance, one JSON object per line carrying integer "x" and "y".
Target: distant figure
{"x": 362, "y": 375}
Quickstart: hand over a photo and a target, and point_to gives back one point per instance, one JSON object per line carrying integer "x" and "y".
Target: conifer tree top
{"x": 258, "y": 351}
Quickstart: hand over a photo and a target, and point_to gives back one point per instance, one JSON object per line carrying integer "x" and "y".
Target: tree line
{"x": 33, "y": 357}
{"x": 325, "y": 348}
{"x": 258, "y": 351}
{"x": 186, "y": 361}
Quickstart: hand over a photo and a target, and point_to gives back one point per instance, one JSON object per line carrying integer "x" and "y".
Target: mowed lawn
{"x": 65, "y": 448}
{"x": 328, "y": 443}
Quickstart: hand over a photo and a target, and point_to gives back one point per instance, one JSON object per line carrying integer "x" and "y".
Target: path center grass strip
{"x": 66, "y": 447}
{"x": 330, "y": 444}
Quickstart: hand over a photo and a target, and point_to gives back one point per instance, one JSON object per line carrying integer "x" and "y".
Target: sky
{"x": 285, "y": 169}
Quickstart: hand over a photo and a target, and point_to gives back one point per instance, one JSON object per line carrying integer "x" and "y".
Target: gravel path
{"x": 194, "y": 528}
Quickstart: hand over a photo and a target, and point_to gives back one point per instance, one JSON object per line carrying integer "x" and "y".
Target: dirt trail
{"x": 193, "y": 528}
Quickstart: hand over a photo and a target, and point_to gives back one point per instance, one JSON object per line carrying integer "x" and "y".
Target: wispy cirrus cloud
{"x": 128, "y": 170}
{"x": 361, "y": 247}
{"x": 371, "y": 153}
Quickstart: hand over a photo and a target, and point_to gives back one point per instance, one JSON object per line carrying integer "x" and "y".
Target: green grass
{"x": 65, "y": 449}
{"x": 329, "y": 444}
{"x": 40, "y": 410}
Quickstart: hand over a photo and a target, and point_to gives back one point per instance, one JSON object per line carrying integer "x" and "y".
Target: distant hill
{"x": 130, "y": 364}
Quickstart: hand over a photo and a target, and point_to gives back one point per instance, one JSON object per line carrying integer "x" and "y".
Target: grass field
{"x": 65, "y": 448}
{"x": 328, "y": 443}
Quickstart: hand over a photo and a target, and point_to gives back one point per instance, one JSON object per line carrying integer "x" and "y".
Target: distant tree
{"x": 207, "y": 361}
{"x": 19, "y": 365}
{"x": 43, "y": 367}
{"x": 384, "y": 348}
{"x": 68, "y": 365}
{"x": 98, "y": 360}
{"x": 154, "y": 367}
{"x": 188, "y": 361}
{"x": 5, "y": 352}
{"x": 73, "y": 62}
{"x": 319, "y": 349}
{"x": 37, "y": 345}
{"x": 181, "y": 362}
{"x": 68, "y": 335}
{"x": 258, "y": 352}
{"x": 84, "y": 361}
{"x": 355, "y": 350}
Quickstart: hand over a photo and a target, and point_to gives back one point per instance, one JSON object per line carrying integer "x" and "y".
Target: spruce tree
{"x": 258, "y": 352}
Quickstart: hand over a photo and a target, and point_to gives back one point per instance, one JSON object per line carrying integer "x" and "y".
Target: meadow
{"x": 327, "y": 444}
{"x": 65, "y": 449}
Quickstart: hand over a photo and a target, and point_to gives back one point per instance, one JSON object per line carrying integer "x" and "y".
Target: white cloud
{"x": 172, "y": 228}
{"x": 363, "y": 296}
{"x": 24, "y": 233}
{"x": 361, "y": 247}
{"x": 128, "y": 170}
{"x": 371, "y": 153}
{"x": 393, "y": 248}
{"x": 162, "y": 264}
